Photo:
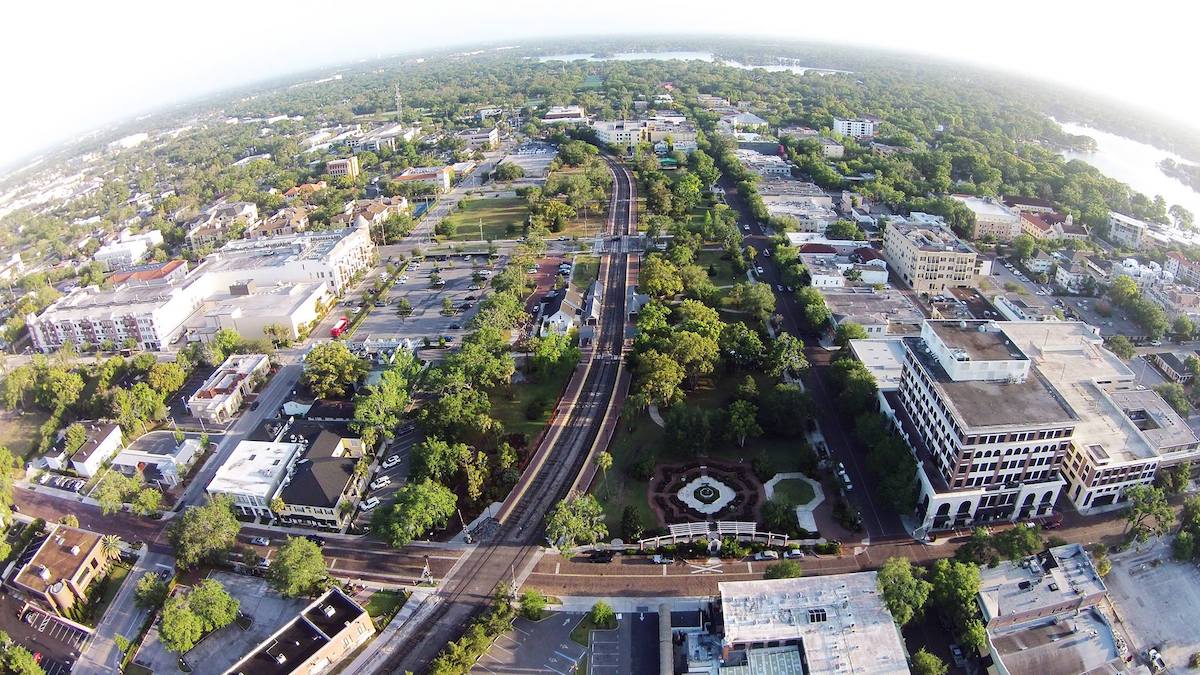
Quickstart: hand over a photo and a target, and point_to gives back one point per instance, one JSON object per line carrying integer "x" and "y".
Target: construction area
{"x": 1157, "y": 603}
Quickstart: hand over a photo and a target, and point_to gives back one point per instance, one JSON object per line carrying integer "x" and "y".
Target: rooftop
{"x": 298, "y": 640}
{"x": 1083, "y": 644}
{"x": 929, "y": 237}
{"x": 987, "y": 208}
{"x": 841, "y": 619}
{"x": 321, "y": 476}
{"x": 1055, "y": 576}
{"x": 1156, "y": 419}
{"x": 987, "y": 403}
{"x": 884, "y": 359}
{"x": 254, "y": 468}
{"x": 96, "y": 435}
{"x": 58, "y": 557}
{"x": 979, "y": 345}
{"x": 869, "y": 307}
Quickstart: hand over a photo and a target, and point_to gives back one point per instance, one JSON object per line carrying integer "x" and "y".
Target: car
{"x": 1156, "y": 343}
{"x": 391, "y": 461}
{"x": 369, "y": 504}
{"x": 662, "y": 560}
{"x": 263, "y": 564}
{"x": 470, "y": 298}
{"x": 779, "y": 287}
{"x": 455, "y": 326}
{"x": 260, "y": 541}
{"x": 404, "y": 280}
{"x": 356, "y": 310}
{"x": 531, "y": 270}
{"x": 793, "y": 553}
{"x": 465, "y": 306}
{"x": 600, "y": 557}
{"x": 766, "y": 555}
{"x": 956, "y": 653}
{"x": 254, "y": 405}
{"x": 746, "y": 227}
{"x": 37, "y": 657}
{"x": 474, "y": 287}
{"x": 791, "y": 290}
{"x": 448, "y": 338}
{"x": 319, "y": 541}
{"x": 759, "y": 269}
{"x": 380, "y": 303}
{"x": 381, "y": 482}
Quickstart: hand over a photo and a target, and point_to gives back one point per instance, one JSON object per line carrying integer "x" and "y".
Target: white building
{"x": 331, "y": 257}
{"x": 252, "y": 475}
{"x": 568, "y": 114}
{"x": 221, "y": 395}
{"x": 103, "y": 441}
{"x": 159, "y": 466}
{"x": 858, "y": 128}
{"x": 821, "y": 624}
{"x": 129, "y": 249}
{"x": 1126, "y": 231}
{"x": 764, "y": 165}
{"x": 993, "y": 220}
{"x": 384, "y": 137}
{"x": 487, "y": 139}
{"x": 562, "y": 312}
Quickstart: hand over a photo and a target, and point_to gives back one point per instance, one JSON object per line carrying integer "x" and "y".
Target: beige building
{"x": 222, "y": 394}
{"x": 993, "y": 220}
{"x": 289, "y": 220}
{"x": 930, "y": 258}
{"x": 63, "y": 566}
{"x": 347, "y": 166}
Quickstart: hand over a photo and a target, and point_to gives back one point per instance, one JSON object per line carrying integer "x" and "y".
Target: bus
{"x": 339, "y": 327}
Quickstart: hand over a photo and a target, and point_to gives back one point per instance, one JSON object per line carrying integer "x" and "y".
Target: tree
{"x": 533, "y": 604}
{"x": 147, "y": 501}
{"x": 378, "y": 411}
{"x": 418, "y": 507}
{"x": 757, "y": 300}
{"x": 20, "y": 661}
{"x": 904, "y": 589}
{"x": 604, "y": 462}
{"x": 576, "y": 518}
{"x": 603, "y": 616}
{"x": 166, "y": 377}
{"x": 786, "y": 356}
{"x": 844, "y": 229}
{"x": 743, "y": 421}
{"x": 179, "y": 629}
{"x": 70, "y": 520}
{"x": 659, "y": 377}
{"x": 1174, "y": 480}
{"x": 741, "y": 345}
{"x": 110, "y": 545}
{"x": 924, "y": 663}
{"x": 1149, "y": 514}
{"x": 330, "y": 369}
{"x": 1123, "y": 290}
{"x": 150, "y": 591}
{"x": 1175, "y": 395}
{"x": 74, "y": 438}
{"x": 784, "y": 569}
{"x": 204, "y": 532}
{"x": 847, "y": 331}
{"x": 212, "y": 604}
{"x": 112, "y": 491}
{"x": 1183, "y": 328}
{"x": 955, "y": 585}
{"x": 298, "y": 569}
{"x": 508, "y": 171}
{"x": 436, "y": 459}
{"x": 1023, "y": 246}
{"x": 783, "y": 409}
{"x": 660, "y": 277}
{"x": 1121, "y": 346}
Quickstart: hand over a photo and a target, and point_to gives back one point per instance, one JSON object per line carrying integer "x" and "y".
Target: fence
{"x": 740, "y": 530}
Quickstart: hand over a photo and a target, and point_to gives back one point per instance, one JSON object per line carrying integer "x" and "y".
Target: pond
{"x": 783, "y": 65}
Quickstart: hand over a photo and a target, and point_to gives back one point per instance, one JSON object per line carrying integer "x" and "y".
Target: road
{"x": 878, "y": 522}
{"x": 554, "y": 468}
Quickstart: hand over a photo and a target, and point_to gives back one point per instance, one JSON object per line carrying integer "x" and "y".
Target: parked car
{"x": 319, "y": 541}
{"x": 793, "y": 553}
{"x": 779, "y": 287}
{"x": 956, "y": 653}
{"x": 767, "y": 555}
{"x": 758, "y": 268}
{"x": 369, "y": 503}
{"x": 600, "y": 557}
{"x": 260, "y": 541}
{"x": 391, "y": 461}
{"x": 381, "y": 482}
{"x": 662, "y": 560}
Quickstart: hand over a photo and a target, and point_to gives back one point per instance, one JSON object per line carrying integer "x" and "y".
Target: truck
{"x": 339, "y": 327}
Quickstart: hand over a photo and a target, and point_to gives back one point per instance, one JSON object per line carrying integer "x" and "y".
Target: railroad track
{"x": 468, "y": 590}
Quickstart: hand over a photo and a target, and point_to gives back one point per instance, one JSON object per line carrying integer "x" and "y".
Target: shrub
{"x": 829, "y": 548}
{"x": 533, "y": 605}
{"x": 603, "y": 616}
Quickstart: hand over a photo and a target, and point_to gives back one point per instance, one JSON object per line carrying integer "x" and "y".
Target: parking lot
{"x": 536, "y": 647}
{"x": 1157, "y": 601}
{"x": 42, "y": 633}
{"x": 397, "y": 474}
{"x": 534, "y": 158}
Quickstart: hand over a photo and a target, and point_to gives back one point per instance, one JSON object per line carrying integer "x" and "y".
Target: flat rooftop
{"x": 840, "y": 619}
{"x": 884, "y": 359}
{"x": 56, "y": 554}
{"x": 987, "y": 403}
{"x": 930, "y": 237}
{"x": 250, "y": 254}
{"x": 1084, "y": 644}
{"x": 985, "y": 207}
{"x": 980, "y": 345}
{"x": 1154, "y": 417}
{"x": 868, "y": 307}
{"x": 1047, "y": 580}
{"x": 254, "y": 467}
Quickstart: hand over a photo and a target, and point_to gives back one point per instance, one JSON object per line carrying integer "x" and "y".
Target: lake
{"x": 1135, "y": 163}
{"x": 707, "y": 57}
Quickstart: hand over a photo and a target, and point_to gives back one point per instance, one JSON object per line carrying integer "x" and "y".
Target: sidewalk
{"x": 583, "y": 603}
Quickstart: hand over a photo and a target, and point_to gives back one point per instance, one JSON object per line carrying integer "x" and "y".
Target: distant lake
{"x": 1135, "y": 163}
{"x": 707, "y": 57}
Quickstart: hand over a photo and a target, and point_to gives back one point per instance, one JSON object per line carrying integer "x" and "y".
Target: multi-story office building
{"x": 1126, "y": 231}
{"x": 331, "y": 257}
{"x": 330, "y": 628}
{"x": 993, "y": 220}
{"x": 346, "y": 166}
{"x": 486, "y": 139}
{"x": 989, "y": 432}
{"x": 930, "y": 258}
{"x": 858, "y": 128}
{"x": 565, "y": 114}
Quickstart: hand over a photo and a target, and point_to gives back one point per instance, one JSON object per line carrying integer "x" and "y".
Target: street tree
{"x": 150, "y": 591}
{"x": 784, "y": 569}
{"x": 298, "y": 569}
{"x": 847, "y": 331}
{"x": 1149, "y": 514}
{"x": 418, "y": 507}
{"x": 574, "y": 519}
{"x": 330, "y": 369}
{"x": 179, "y": 628}
{"x": 1121, "y": 346}
{"x": 604, "y": 462}
{"x": 924, "y": 663}
{"x": 215, "y": 607}
{"x": 786, "y": 356}
{"x": 904, "y": 589}
{"x": 659, "y": 377}
{"x": 204, "y": 532}
{"x": 743, "y": 421}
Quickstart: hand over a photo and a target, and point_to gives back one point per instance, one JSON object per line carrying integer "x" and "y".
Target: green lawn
{"x": 793, "y": 492}
{"x": 511, "y": 405}
{"x": 587, "y": 268}
{"x": 720, "y": 271}
{"x": 583, "y": 631}
{"x": 20, "y": 430}
{"x": 633, "y": 440}
{"x": 500, "y": 218}
{"x": 383, "y": 605}
{"x": 101, "y": 595}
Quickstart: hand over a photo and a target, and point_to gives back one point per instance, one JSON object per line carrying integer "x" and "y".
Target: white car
{"x": 758, "y": 269}
{"x": 767, "y": 555}
{"x": 381, "y": 482}
{"x": 369, "y": 504}
{"x": 260, "y": 541}
{"x": 391, "y": 461}
{"x": 746, "y": 227}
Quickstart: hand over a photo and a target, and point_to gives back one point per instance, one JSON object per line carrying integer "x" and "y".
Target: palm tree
{"x": 605, "y": 462}
{"x": 110, "y": 544}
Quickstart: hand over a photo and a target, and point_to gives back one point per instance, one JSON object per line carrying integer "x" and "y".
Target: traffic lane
{"x": 131, "y": 528}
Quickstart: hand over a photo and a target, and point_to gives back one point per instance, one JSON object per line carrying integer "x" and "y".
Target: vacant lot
{"x": 1158, "y": 603}
{"x": 500, "y": 218}
{"x": 587, "y": 267}
{"x": 20, "y": 430}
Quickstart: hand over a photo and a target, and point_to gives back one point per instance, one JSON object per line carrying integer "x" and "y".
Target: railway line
{"x": 555, "y": 467}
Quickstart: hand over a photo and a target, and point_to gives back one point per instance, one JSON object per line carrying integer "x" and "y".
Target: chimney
{"x": 75, "y": 551}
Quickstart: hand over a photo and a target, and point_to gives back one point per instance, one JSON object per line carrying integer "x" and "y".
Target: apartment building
{"x": 384, "y": 137}
{"x": 1127, "y": 231}
{"x": 331, "y": 257}
{"x": 930, "y": 258}
{"x": 212, "y": 227}
{"x": 1028, "y": 204}
{"x": 346, "y": 166}
{"x": 287, "y": 221}
{"x": 858, "y": 128}
{"x": 1182, "y": 268}
{"x": 831, "y": 149}
{"x": 128, "y": 250}
{"x": 664, "y": 133}
{"x": 367, "y": 212}
{"x": 989, "y": 432}
{"x": 104, "y": 439}
{"x": 58, "y": 568}
{"x": 565, "y": 114}
{"x": 222, "y": 394}
{"x": 253, "y": 474}
{"x": 480, "y": 138}
{"x": 993, "y": 220}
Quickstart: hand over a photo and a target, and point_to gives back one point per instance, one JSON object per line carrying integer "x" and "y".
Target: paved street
{"x": 123, "y": 617}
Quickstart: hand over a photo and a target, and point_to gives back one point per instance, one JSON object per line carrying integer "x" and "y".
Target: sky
{"x": 72, "y": 67}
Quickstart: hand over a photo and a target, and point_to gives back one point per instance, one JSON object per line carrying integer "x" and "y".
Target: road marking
{"x": 706, "y": 568}
{"x": 556, "y": 565}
